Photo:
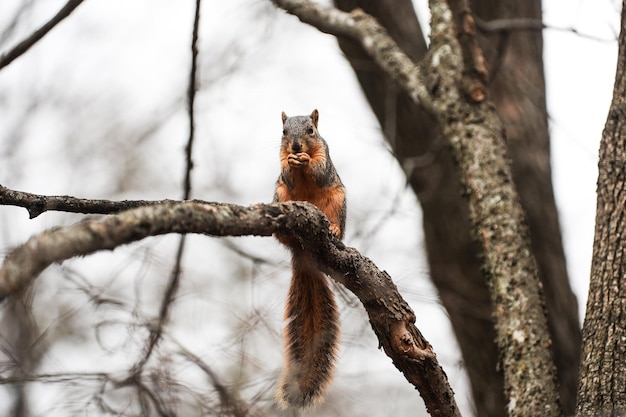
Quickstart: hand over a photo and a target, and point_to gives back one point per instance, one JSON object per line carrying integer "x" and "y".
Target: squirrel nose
{"x": 296, "y": 147}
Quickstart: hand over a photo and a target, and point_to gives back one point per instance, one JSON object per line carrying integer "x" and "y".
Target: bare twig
{"x": 57, "y": 378}
{"x": 37, "y": 204}
{"x": 7, "y": 31}
{"x": 191, "y": 98}
{"x": 37, "y": 35}
{"x": 172, "y": 286}
{"x": 525, "y": 24}
{"x": 156, "y": 332}
{"x": 231, "y": 405}
{"x": 505, "y": 25}
{"x": 255, "y": 259}
{"x": 145, "y": 393}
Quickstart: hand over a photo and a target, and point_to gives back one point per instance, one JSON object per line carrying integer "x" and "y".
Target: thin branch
{"x": 37, "y": 35}
{"x": 506, "y": 25}
{"x": 474, "y": 70}
{"x": 7, "y": 32}
{"x": 57, "y": 378}
{"x": 255, "y": 259}
{"x": 191, "y": 98}
{"x": 390, "y": 316}
{"x": 172, "y": 286}
{"x": 80, "y": 378}
{"x": 374, "y": 38}
{"x": 526, "y": 24}
{"x": 37, "y": 204}
{"x": 156, "y": 333}
{"x": 576, "y": 32}
{"x": 231, "y": 405}
{"x": 144, "y": 392}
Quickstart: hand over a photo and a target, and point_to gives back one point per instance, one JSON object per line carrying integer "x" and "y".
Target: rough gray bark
{"x": 453, "y": 78}
{"x": 390, "y": 316}
{"x": 517, "y": 88}
{"x": 602, "y": 388}
{"x": 476, "y": 136}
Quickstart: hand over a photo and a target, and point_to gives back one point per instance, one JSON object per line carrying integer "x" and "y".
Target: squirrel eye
{"x": 284, "y": 132}
{"x": 310, "y": 131}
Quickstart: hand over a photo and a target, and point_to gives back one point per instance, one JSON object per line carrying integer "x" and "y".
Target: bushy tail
{"x": 311, "y": 335}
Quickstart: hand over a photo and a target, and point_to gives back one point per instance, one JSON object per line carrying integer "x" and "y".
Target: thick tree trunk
{"x": 454, "y": 267}
{"x": 602, "y": 388}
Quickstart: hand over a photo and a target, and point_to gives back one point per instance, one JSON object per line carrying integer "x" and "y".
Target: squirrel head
{"x": 300, "y": 132}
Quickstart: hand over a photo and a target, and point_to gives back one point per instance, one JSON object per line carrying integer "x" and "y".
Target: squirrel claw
{"x": 335, "y": 229}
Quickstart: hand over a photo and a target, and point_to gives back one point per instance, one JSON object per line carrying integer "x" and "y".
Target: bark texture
{"x": 517, "y": 88}
{"x": 602, "y": 388}
{"x": 390, "y": 316}
{"x": 515, "y": 63}
{"x": 477, "y": 139}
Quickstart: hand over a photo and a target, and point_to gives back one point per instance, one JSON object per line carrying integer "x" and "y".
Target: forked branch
{"x": 21, "y": 48}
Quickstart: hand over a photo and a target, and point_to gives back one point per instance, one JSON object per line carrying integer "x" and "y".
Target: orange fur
{"x": 311, "y": 335}
{"x": 330, "y": 200}
{"x": 312, "y": 331}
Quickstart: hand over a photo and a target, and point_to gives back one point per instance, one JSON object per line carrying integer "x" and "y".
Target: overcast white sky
{"x": 131, "y": 57}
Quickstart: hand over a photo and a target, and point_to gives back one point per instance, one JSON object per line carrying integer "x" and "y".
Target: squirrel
{"x": 312, "y": 331}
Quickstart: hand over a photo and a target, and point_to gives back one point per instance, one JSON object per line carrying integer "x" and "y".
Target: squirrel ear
{"x": 284, "y": 116}
{"x": 315, "y": 115}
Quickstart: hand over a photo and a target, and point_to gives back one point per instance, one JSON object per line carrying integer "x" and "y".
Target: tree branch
{"x": 374, "y": 38}
{"x": 475, "y": 74}
{"x": 191, "y": 99}
{"x": 172, "y": 286}
{"x": 36, "y": 204}
{"x": 390, "y": 316}
{"x": 530, "y": 24}
{"x": 37, "y": 35}
{"x": 454, "y": 72}
{"x": 229, "y": 401}
{"x": 476, "y": 136}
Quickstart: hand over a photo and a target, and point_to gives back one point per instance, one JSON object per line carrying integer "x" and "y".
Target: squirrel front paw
{"x": 298, "y": 160}
{"x": 335, "y": 229}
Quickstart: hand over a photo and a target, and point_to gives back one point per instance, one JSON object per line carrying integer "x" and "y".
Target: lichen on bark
{"x": 476, "y": 137}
